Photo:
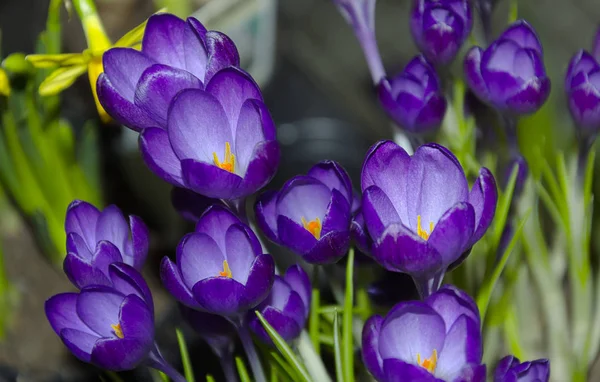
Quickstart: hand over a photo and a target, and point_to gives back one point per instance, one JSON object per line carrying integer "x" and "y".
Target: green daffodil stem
{"x": 95, "y": 35}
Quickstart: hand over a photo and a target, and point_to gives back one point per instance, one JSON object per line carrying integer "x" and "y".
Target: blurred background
{"x": 317, "y": 86}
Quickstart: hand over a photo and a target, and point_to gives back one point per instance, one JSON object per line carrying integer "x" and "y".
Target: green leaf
{"x": 485, "y": 293}
{"x": 210, "y": 378}
{"x": 60, "y": 79}
{"x": 285, "y": 369}
{"x": 337, "y": 349}
{"x": 284, "y": 349}
{"x": 315, "y": 318}
{"x": 347, "y": 338}
{"x": 185, "y": 357}
{"x": 242, "y": 371}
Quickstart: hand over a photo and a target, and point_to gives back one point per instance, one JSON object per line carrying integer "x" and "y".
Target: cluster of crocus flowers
{"x": 311, "y": 214}
{"x": 419, "y": 211}
{"x": 202, "y": 120}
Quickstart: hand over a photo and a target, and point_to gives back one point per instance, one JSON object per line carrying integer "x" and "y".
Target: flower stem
{"x": 156, "y": 361}
{"x": 257, "y": 369}
{"x": 426, "y": 287}
{"x": 228, "y": 366}
{"x": 238, "y": 206}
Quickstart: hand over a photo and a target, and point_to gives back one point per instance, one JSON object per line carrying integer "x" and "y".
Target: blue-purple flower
{"x": 510, "y": 369}
{"x": 438, "y": 339}
{"x": 440, "y": 28}
{"x": 136, "y": 87}
{"x": 97, "y": 239}
{"x": 110, "y": 327}
{"x": 220, "y": 268}
{"x": 419, "y": 210}
{"x": 582, "y": 85}
{"x": 311, "y": 214}
{"x": 287, "y": 306}
{"x": 360, "y": 234}
{"x": 414, "y": 98}
{"x": 510, "y": 74}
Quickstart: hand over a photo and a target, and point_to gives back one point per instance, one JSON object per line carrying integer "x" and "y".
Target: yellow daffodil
{"x": 69, "y": 66}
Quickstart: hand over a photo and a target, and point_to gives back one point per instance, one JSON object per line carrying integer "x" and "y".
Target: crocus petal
{"x": 531, "y": 97}
{"x": 370, "y": 347}
{"x": 199, "y": 257}
{"x": 462, "y": 346}
{"x": 483, "y": 197}
{"x": 431, "y": 115}
{"x": 437, "y": 182}
{"x": 81, "y": 219}
{"x": 128, "y": 281}
{"x": 62, "y": 313}
{"x": 473, "y": 76}
{"x": 401, "y": 250}
{"x": 523, "y": 35}
{"x": 378, "y": 211}
{"x": 472, "y": 373}
{"x": 331, "y": 174}
{"x": 261, "y": 169}
{"x": 452, "y": 234}
{"x": 232, "y": 87}
{"x": 123, "y": 68}
{"x": 210, "y": 180}
{"x": 106, "y": 254}
{"x": 411, "y": 328}
{"x": 119, "y": 354}
{"x": 286, "y": 326}
{"x": 98, "y": 307}
{"x": 113, "y": 227}
{"x": 136, "y": 320}
{"x": 337, "y": 217}
{"x": 260, "y": 280}
{"x": 197, "y": 126}
{"x": 79, "y": 343}
{"x": 163, "y": 40}
{"x": 399, "y": 371}
{"x": 77, "y": 245}
{"x": 139, "y": 241}
{"x": 298, "y": 280}
{"x": 81, "y": 272}
{"x": 359, "y": 233}
{"x": 266, "y": 214}
{"x": 295, "y": 309}
{"x": 294, "y": 236}
{"x": 303, "y": 197}
{"x": 239, "y": 252}
{"x": 216, "y": 220}
{"x": 329, "y": 249}
{"x": 220, "y": 295}
{"x": 173, "y": 282}
{"x": 248, "y": 134}
{"x": 194, "y": 51}
{"x": 156, "y": 88}
{"x": 159, "y": 155}
{"x": 451, "y": 303}
{"x": 222, "y": 53}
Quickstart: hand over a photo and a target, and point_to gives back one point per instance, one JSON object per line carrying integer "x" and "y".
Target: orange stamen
{"x": 430, "y": 363}
{"x": 313, "y": 226}
{"x": 117, "y": 329}
{"x": 421, "y": 232}
{"x": 226, "y": 271}
{"x": 228, "y": 163}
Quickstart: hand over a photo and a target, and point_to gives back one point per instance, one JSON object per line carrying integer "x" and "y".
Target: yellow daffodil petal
{"x": 94, "y": 69}
{"x": 4, "y": 83}
{"x": 50, "y": 60}
{"x": 60, "y": 79}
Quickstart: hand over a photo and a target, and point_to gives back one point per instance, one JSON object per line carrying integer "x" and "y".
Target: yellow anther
{"x": 117, "y": 329}
{"x": 313, "y": 226}
{"x": 228, "y": 163}
{"x": 421, "y": 232}
{"x": 226, "y": 271}
{"x": 430, "y": 363}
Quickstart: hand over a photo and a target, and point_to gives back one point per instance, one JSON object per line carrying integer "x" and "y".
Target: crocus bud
{"x": 438, "y": 339}
{"x": 220, "y": 268}
{"x": 97, "y": 239}
{"x": 311, "y": 214}
{"x": 440, "y": 28}
{"x": 287, "y": 306}
{"x": 582, "y": 85}
{"x": 510, "y": 74}
{"x": 414, "y": 99}
{"x": 510, "y": 369}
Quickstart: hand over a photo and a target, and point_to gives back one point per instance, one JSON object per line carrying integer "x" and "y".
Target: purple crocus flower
{"x": 419, "y": 210}
{"x": 510, "y": 74}
{"x": 220, "y": 268}
{"x": 136, "y": 87}
{"x": 97, "y": 239}
{"x": 510, "y": 369}
{"x": 360, "y": 234}
{"x": 110, "y": 327}
{"x": 414, "y": 98}
{"x": 438, "y": 339}
{"x": 440, "y": 28}
{"x": 287, "y": 306}
{"x": 311, "y": 214}
{"x": 582, "y": 85}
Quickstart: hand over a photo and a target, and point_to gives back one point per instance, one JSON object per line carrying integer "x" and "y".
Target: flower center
{"x": 226, "y": 271}
{"x": 421, "y": 232}
{"x": 313, "y": 226}
{"x": 117, "y": 329}
{"x": 430, "y": 363}
{"x": 228, "y": 163}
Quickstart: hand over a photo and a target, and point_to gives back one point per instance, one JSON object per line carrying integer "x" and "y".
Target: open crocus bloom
{"x": 419, "y": 210}
{"x": 435, "y": 340}
{"x": 311, "y": 214}
{"x": 110, "y": 327}
{"x": 220, "y": 268}
{"x": 287, "y": 306}
{"x": 510, "y": 369}
{"x": 219, "y": 142}
{"x": 97, "y": 239}
{"x": 137, "y": 87}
